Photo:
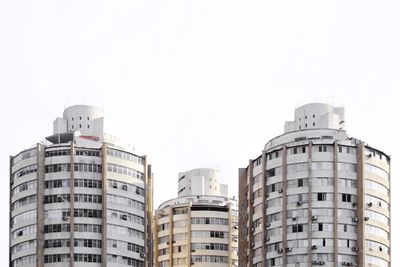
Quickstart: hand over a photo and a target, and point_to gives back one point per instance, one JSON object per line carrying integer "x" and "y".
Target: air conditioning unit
{"x": 354, "y": 248}
{"x": 280, "y": 190}
{"x": 314, "y": 247}
{"x": 366, "y": 218}
{"x": 142, "y": 255}
{"x": 288, "y": 249}
{"x": 314, "y": 262}
{"x": 369, "y": 204}
{"x": 314, "y": 217}
{"x": 268, "y": 224}
{"x": 299, "y": 203}
{"x": 124, "y": 187}
{"x": 235, "y": 226}
{"x": 280, "y": 250}
{"x": 354, "y": 204}
{"x": 267, "y": 238}
{"x": 321, "y": 263}
{"x": 294, "y": 218}
{"x": 354, "y": 219}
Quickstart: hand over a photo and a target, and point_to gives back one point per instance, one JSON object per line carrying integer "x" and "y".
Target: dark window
{"x": 323, "y": 242}
{"x": 346, "y": 197}
{"x": 295, "y": 150}
{"x": 300, "y": 182}
{"x": 321, "y": 196}
{"x": 303, "y": 149}
{"x": 320, "y": 227}
{"x": 297, "y": 228}
{"x": 271, "y": 172}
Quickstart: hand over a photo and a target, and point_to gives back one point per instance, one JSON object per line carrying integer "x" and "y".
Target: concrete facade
{"x": 315, "y": 197}
{"x": 197, "y": 229}
{"x": 78, "y": 201}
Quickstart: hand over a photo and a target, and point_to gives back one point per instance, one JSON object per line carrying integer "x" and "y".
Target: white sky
{"x": 198, "y": 83}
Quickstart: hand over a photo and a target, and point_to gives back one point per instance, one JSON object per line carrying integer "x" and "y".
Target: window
{"x": 320, "y": 226}
{"x": 303, "y": 149}
{"x": 313, "y": 124}
{"x": 346, "y": 197}
{"x": 300, "y": 182}
{"x": 323, "y": 148}
{"x": 297, "y": 228}
{"x": 345, "y": 228}
{"x": 321, "y": 197}
{"x": 295, "y": 150}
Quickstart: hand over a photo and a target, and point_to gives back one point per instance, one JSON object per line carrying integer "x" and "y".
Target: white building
{"x": 80, "y": 199}
{"x": 315, "y": 197}
{"x": 199, "y": 228}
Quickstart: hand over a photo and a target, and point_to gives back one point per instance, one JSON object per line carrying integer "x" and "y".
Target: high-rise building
{"x": 315, "y": 197}
{"x": 80, "y": 199}
{"x": 199, "y": 228}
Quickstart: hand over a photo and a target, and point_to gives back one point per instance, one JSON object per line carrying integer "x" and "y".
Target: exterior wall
{"x": 201, "y": 182}
{"x": 83, "y": 203}
{"x": 316, "y": 115}
{"x": 315, "y": 197}
{"x": 196, "y": 232}
{"x": 316, "y": 208}
{"x": 86, "y": 119}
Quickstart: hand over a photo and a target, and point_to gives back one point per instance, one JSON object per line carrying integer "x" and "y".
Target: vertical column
{"x": 264, "y": 207}
{"x": 229, "y": 234}
{"x": 104, "y": 186}
{"x": 189, "y": 247}
{"x": 309, "y": 203}
{"x": 250, "y": 202}
{"x": 335, "y": 203}
{"x": 149, "y": 215}
{"x": 155, "y": 237}
{"x": 171, "y": 236}
{"x": 390, "y": 211}
{"x": 40, "y": 205}
{"x": 284, "y": 206}
{"x": 361, "y": 204}
{"x": 71, "y": 205}
{"x": 243, "y": 217}
{"x": 9, "y": 215}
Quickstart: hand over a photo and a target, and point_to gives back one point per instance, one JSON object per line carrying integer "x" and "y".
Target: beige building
{"x": 80, "y": 199}
{"x": 199, "y": 228}
{"x": 315, "y": 197}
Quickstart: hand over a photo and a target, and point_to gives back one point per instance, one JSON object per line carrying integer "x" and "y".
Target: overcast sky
{"x": 198, "y": 84}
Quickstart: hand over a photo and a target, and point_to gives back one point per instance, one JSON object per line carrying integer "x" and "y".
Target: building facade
{"x": 315, "y": 197}
{"x": 80, "y": 199}
{"x": 199, "y": 228}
